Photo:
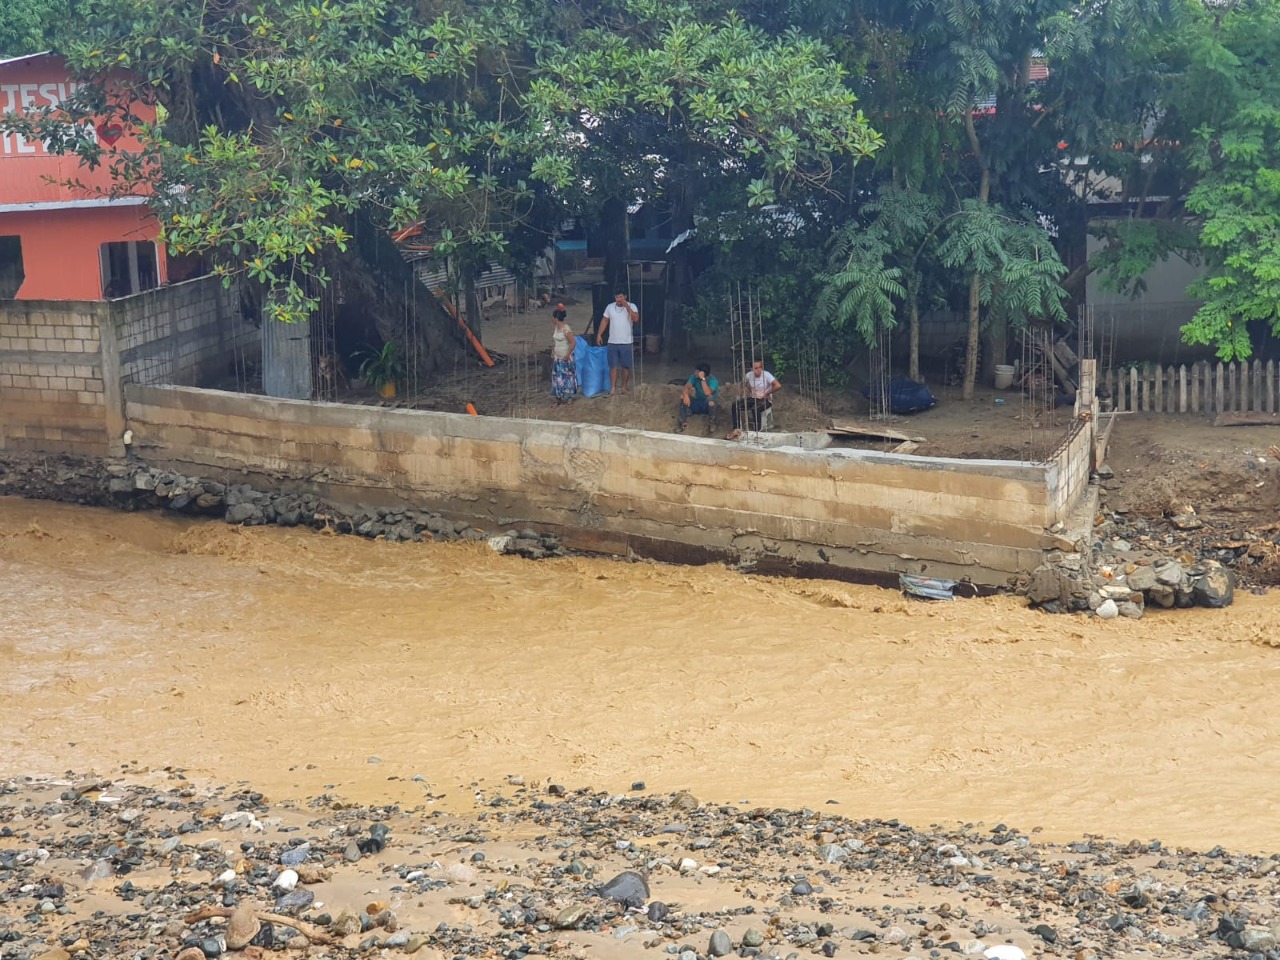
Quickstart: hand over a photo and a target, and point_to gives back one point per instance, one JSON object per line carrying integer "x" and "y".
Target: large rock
{"x": 627, "y": 888}
{"x": 1048, "y": 583}
{"x": 1142, "y": 579}
{"x": 1170, "y": 573}
{"x": 1213, "y": 585}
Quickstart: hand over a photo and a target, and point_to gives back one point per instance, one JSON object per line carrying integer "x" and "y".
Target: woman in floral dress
{"x": 564, "y": 377}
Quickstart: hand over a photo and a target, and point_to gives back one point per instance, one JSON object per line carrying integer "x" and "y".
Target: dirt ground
{"x": 993, "y": 425}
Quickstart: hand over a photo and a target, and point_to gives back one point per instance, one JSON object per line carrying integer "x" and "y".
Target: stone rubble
{"x": 131, "y": 484}
{"x": 548, "y": 876}
{"x": 1125, "y": 572}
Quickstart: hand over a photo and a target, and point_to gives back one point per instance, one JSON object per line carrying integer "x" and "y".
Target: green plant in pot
{"x": 382, "y": 368}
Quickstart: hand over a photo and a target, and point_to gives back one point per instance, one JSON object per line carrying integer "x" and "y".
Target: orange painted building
{"x": 64, "y": 241}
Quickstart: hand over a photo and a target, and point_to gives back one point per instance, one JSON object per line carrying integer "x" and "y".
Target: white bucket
{"x": 1004, "y": 376}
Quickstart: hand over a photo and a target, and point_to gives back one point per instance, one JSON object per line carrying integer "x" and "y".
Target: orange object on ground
{"x": 479, "y": 347}
{"x": 471, "y": 409}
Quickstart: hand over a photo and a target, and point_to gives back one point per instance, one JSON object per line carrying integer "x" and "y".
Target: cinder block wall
{"x": 1069, "y": 469}
{"x": 185, "y": 334}
{"x": 52, "y": 392}
{"x": 618, "y": 490}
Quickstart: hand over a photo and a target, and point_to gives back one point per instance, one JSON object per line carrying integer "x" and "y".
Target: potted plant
{"x": 382, "y": 368}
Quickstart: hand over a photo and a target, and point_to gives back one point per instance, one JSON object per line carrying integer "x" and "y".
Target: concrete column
{"x": 112, "y": 379}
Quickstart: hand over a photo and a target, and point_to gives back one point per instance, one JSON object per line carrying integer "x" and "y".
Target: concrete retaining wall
{"x": 615, "y": 490}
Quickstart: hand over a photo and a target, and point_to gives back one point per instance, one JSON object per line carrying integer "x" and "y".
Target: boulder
{"x": 1213, "y": 585}
{"x": 1046, "y": 584}
{"x": 1141, "y": 579}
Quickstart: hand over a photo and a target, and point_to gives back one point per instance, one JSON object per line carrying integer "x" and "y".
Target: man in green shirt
{"x": 699, "y": 396}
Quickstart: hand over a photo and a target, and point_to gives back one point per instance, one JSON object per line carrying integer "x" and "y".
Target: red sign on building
{"x": 66, "y": 232}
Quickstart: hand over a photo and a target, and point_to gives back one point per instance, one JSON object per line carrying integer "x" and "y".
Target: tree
{"x": 959, "y": 90}
{"x": 28, "y": 26}
{"x": 288, "y": 124}
{"x": 651, "y": 102}
{"x": 877, "y": 267}
{"x": 1231, "y": 97}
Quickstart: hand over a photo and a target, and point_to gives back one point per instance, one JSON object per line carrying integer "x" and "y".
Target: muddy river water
{"x": 291, "y": 659}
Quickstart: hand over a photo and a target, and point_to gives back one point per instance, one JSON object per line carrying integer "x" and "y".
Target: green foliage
{"x": 663, "y": 98}
{"x": 1016, "y": 265}
{"x": 28, "y": 26}
{"x": 860, "y": 288}
{"x": 774, "y": 259}
{"x": 1236, "y": 152}
{"x": 291, "y": 122}
{"x": 877, "y": 265}
{"x": 1132, "y": 247}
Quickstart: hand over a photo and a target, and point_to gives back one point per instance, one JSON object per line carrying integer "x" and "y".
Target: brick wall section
{"x": 188, "y": 334}
{"x": 1070, "y": 467}
{"x": 609, "y": 489}
{"x": 52, "y": 394}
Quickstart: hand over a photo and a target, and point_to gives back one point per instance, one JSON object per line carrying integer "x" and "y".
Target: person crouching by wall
{"x": 700, "y": 393}
{"x": 564, "y": 374}
{"x": 759, "y": 386}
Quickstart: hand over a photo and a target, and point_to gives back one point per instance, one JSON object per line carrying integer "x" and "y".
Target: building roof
{"x": 27, "y": 56}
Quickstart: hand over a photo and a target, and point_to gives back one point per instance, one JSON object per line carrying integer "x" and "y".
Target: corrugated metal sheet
{"x": 493, "y": 282}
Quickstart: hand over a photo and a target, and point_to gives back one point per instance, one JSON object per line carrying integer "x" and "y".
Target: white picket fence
{"x": 1199, "y": 388}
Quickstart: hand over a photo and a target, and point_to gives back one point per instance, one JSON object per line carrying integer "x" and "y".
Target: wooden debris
{"x": 308, "y": 930}
{"x": 848, "y": 428}
{"x": 907, "y": 446}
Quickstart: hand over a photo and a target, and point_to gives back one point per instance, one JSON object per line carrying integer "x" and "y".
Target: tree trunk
{"x": 971, "y": 346}
{"x": 975, "y": 281}
{"x": 914, "y": 369}
{"x": 613, "y": 227}
{"x": 469, "y": 296}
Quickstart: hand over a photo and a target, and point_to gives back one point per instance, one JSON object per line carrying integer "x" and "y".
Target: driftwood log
{"x": 308, "y": 930}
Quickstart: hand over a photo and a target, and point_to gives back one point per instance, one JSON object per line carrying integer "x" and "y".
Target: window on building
{"x": 128, "y": 267}
{"x": 12, "y": 272}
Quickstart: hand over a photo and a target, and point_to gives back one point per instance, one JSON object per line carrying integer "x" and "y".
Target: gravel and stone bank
{"x": 131, "y": 484}
{"x": 148, "y": 866}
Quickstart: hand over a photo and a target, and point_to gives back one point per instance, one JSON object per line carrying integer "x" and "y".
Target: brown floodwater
{"x": 290, "y": 659}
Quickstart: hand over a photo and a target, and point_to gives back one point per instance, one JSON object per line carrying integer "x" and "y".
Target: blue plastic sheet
{"x": 592, "y": 367}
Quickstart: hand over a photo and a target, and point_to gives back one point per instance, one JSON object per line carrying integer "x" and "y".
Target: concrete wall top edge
{"x": 555, "y": 432}
{"x": 15, "y": 308}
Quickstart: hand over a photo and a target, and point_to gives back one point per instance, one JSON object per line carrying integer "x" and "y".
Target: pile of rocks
{"x": 132, "y": 484}
{"x": 1111, "y": 586}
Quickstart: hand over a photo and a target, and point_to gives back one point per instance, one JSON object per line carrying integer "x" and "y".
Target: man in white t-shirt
{"x": 615, "y": 324}
{"x": 759, "y": 386}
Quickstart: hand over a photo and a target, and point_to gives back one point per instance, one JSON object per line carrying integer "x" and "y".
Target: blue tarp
{"x": 593, "y": 368}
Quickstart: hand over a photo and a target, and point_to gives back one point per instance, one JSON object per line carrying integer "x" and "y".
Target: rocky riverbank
{"x": 131, "y": 484}
{"x": 151, "y": 866}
